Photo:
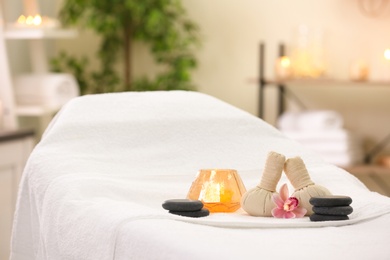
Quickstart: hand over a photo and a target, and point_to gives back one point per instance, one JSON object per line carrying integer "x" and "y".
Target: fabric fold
{"x": 107, "y": 162}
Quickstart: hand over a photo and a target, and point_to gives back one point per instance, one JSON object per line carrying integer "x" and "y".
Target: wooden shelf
{"x": 38, "y": 33}
{"x": 282, "y": 87}
{"x": 327, "y": 82}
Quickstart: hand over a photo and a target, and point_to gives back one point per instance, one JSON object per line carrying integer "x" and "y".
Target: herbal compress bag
{"x": 258, "y": 200}
{"x": 305, "y": 188}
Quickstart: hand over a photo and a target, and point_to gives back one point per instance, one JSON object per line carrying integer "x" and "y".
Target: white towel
{"x": 320, "y": 136}
{"x": 51, "y": 90}
{"x": 338, "y": 146}
{"x": 108, "y": 161}
{"x": 310, "y": 120}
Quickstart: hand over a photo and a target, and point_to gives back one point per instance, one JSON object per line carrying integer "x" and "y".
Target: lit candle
{"x": 29, "y": 20}
{"x": 386, "y": 54}
{"x": 220, "y": 190}
{"x": 386, "y": 72}
{"x": 37, "y": 20}
{"x": 21, "y": 20}
{"x": 283, "y": 68}
{"x": 359, "y": 71}
{"x": 211, "y": 192}
{"x": 216, "y": 192}
{"x": 225, "y": 195}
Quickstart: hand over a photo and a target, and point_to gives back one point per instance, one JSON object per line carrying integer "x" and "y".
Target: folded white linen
{"x": 340, "y": 147}
{"x": 342, "y": 160}
{"x": 107, "y": 162}
{"x": 310, "y": 120}
{"x": 332, "y": 135}
{"x": 333, "y": 147}
{"x": 50, "y": 90}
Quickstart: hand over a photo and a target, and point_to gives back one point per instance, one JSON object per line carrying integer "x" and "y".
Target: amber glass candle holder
{"x": 220, "y": 190}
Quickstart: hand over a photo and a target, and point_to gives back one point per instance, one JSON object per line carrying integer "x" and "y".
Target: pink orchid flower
{"x": 286, "y": 207}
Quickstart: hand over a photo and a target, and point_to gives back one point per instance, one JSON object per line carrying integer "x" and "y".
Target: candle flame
{"x": 30, "y": 20}
{"x": 37, "y": 20}
{"x": 285, "y": 61}
{"x": 216, "y": 192}
{"x": 387, "y": 54}
{"x": 211, "y": 192}
{"x": 22, "y": 19}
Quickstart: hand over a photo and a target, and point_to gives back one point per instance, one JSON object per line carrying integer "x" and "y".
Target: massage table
{"x": 93, "y": 187}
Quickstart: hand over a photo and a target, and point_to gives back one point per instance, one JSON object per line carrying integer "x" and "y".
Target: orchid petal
{"x": 277, "y": 213}
{"x": 284, "y": 192}
{"x": 278, "y": 201}
{"x": 289, "y": 214}
{"x": 299, "y": 212}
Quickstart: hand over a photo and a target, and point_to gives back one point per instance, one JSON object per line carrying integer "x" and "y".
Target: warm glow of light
{"x": 226, "y": 195}
{"x": 306, "y": 64}
{"x": 37, "y": 20}
{"x": 30, "y": 20}
{"x": 211, "y": 192}
{"x": 285, "y": 61}
{"x": 220, "y": 190}
{"x": 387, "y": 54}
{"x": 22, "y": 19}
{"x": 216, "y": 192}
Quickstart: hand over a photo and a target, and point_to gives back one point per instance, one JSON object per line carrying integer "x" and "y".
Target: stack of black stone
{"x": 331, "y": 208}
{"x": 186, "y": 208}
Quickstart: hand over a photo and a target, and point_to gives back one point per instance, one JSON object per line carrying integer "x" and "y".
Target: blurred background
{"x": 228, "y": 59}
{"x": 330, "y": 86}
{"x": 317, "y": 70}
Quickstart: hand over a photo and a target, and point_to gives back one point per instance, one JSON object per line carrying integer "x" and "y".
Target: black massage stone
{"x": 192, "y": 214}
{"x": 182, "y": 205}
{"x": 330, "y": 201}
{"x": 318, "y": 217}
{"x": 339, "y": 210}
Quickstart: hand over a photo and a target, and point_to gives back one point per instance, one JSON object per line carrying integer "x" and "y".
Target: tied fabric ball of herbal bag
{"x": 258, "y": 200}
{"x": 305, "y": 188}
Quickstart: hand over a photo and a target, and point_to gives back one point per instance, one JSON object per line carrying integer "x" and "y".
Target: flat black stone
{"x": 318, "y": 217}
{"x": 192, "y": 214}
{"x": 182, "y": 205}
{"x": 339, "y": 210}
{"x": 330, "y": 201}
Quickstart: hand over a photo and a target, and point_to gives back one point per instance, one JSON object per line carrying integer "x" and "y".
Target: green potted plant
{"x": 161, "y": 24}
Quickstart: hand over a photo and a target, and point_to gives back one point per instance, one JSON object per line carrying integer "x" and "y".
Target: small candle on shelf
{"x": 36, "y": 21}
{"x": 21, "y": 20}
{"x": 29, "y": 20}
{"x": 283, "y": 68}
{"x": 359, "y": 71}
{"x": 385, "y": 75}
{"x": 386, "y": 54}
